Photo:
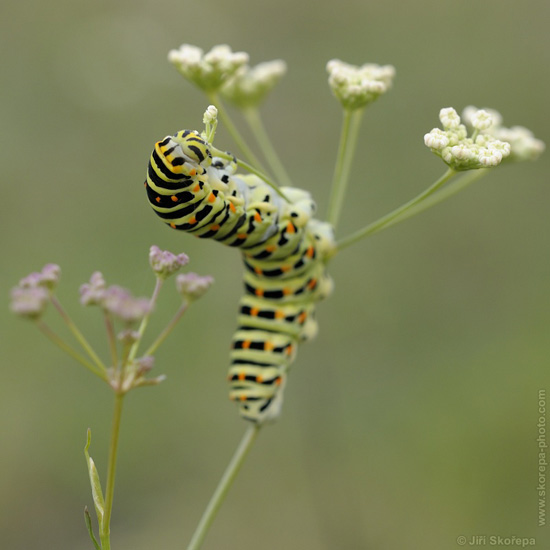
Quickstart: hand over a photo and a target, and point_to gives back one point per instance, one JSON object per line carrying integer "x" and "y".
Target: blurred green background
{"x": 412, "y": 418}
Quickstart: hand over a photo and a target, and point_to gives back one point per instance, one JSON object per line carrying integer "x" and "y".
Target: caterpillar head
{"x": 185, "y": 153}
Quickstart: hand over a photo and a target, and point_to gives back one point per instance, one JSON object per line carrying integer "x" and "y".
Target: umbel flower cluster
{"x": 32, "y": 295}
{"x": 488, "y": 145}
{"x": 356, "y": 87}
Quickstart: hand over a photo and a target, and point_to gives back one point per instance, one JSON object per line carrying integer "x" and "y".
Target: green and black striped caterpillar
{"x": 284, "y": 251}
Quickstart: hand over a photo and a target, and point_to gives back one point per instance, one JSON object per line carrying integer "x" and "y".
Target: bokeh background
{"x": 412, "y": 418}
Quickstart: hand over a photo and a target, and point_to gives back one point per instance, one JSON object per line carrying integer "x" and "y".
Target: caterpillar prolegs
{"x": 284, "y": 251}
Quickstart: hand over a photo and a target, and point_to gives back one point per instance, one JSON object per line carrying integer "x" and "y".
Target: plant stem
{"x": 77, "y": 334}
{"x": 461, "y": 183}
{"x": 223, "y": 487}
{"x": 252, "y": 117}
{"x": 346, "y": 150}
{"x": 167, "y": 330}
{"x": 112, "y": 338}
{"x": 232, "y": 129}
{"x": 49, "y": 333}
{"x": 105, "y": 527}
{"x": 397, "y": 215}
{"x": 145, "y": 320}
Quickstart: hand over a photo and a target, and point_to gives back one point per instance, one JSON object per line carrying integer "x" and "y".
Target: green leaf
{"x": 88, "y": 521}
{"x": 97, "y": 493}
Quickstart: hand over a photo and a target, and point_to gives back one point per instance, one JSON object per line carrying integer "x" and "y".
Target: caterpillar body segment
{"x": 284, "y": 251}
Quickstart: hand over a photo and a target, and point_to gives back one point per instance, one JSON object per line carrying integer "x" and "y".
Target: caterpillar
{"x": 284, "y": 250}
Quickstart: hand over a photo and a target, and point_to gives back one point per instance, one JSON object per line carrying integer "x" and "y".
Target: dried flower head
{"x": 355, "y": 86}
{"x": 29, "y": 301}
{"x": 48, "y": 278}
{"x": 145, "y": 364}
{"x": 461, "y": 152}
{"x": 165, "y": 263}
{"x": 208, "y": 71}
{"x": 192, "y": 286}
{"x": 524, "y": 145}
{"x": 249, "y": 85}
{"x": 92, "y": 293}
{"x": 119, "y": 302}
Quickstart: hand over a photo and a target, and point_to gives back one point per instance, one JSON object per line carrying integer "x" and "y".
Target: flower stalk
{"x": 224, "y": 485}
{"x": 346, "y": 150}
{"x": 254, "y": 120}
{"x": 105, "y": 524}
{"x": 399, "y": 214}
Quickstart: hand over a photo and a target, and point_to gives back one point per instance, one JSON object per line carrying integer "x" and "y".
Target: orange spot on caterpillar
{"x": 279, "y": 314}
{"x": 173, "y": 225}
{"x": 270, "y": 248}
{"x": 242, "y": 236}
{"x": 192, "y": 172}
{"x": 287, "y": 291}
{"x": 197, "y": 188}
{"x": 254, "y": 311}
{"x": 192, "y": 221}
{"x": 259, "y": 378}
{"x": 285, "y": 268}
{"x": 268, "y": 346}
{"x": 214, "y": 227}
{"x": 258, "y": 271}
{"x": 312, "y": 284}
{"x": 259, "y": 292}
{"x": 174, "y": 198}
{"x": 289, "y": 349}
{"x": 242, "y": 397}
{"x": 242, "y": 376}
{"x": 246, "y": 344}
{"x": 158, "y": 199}
{"x": 290, "y": 228}
{"x": 278, "y": 381}
{"x": 257, "y": 217}
{"x": 211, "y": 197}
{"x": 302, "y": 317}
{"x": 232, "y": 207}
{"x": 310, "y": 252}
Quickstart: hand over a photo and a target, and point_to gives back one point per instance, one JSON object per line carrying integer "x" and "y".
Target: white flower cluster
{"x": 355, "y": 86}
{"x": 461, "y": 152}
{"x": 524, "y": 145}
{"x": 249, "y": 85}
{"x": 208, "y": 71}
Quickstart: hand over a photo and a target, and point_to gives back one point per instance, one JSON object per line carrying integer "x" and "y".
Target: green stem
{"x": 50, "y": 334}
{"x": 78, "y": 335}
{"x": 346, "y": 150}
{"x": 145, "y": 320}
{"x": 168, "y": 329}
{"x": 111, "y": 337}
{"x": 232, "y": 129}
{"x": 252, "y": 117}
{"x": 223, "y": 487}
{"x": 105, "y": 527}
{"x": 396, "y": 215}
{"x": 452, "y": 189}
